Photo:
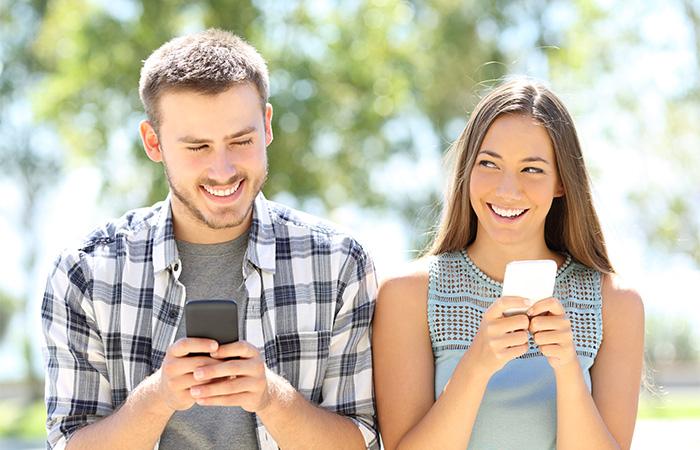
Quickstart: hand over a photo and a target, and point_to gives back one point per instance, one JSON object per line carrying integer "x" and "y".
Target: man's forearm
{"x": 137, "y": 424}
{"x": 296, "y": 423}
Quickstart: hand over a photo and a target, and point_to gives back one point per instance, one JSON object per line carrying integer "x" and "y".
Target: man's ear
{"x": 151, "y": 145}
{"x": 268, "y": 124}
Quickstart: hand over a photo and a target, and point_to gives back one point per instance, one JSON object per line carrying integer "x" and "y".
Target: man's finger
{"x": 239, "y": 349}
{"x": 233, "y": 367}
{"x": 224, "y": 386}
{"x": 185, "y": 346}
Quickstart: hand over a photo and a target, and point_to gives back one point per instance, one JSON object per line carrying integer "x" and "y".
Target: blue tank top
{"x": 518, "y": 410}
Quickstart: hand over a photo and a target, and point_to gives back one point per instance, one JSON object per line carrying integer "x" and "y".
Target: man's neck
{"x": 191, "y": 230}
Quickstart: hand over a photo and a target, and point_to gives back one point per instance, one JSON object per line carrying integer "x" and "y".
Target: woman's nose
{"x": 509, "y": 188}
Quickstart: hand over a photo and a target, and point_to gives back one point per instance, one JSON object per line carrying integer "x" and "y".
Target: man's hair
{"x": 208, "y": 62}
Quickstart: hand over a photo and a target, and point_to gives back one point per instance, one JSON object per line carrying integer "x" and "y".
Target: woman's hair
{"x": 572, "y": 224}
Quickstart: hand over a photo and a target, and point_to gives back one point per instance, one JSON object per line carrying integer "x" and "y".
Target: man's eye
{"x": 198, "y": 148}
{"x": 246, "y": 142}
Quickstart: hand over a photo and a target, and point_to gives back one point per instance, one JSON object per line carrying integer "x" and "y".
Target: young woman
{"x": 450, "y": 370}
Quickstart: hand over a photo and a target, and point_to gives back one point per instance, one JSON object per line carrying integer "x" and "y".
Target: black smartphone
{"x": 212, "y": 319}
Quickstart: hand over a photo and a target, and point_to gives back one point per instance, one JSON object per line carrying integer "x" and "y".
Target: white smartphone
{"x": 533, "y": 279}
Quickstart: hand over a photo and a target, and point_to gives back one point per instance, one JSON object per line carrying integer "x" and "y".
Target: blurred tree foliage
{"x": 671, "y": 216}
{"x": 668, "y": 212}
{"x": 343, "y": 79}
{"x": 671, "y": 339}
{"x": 7, "y": 307}
{"x": 27, "y": 161}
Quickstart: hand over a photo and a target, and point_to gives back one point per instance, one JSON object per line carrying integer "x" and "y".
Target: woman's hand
{"x": 551, "y": 330}
{"x": 501, "y": 339}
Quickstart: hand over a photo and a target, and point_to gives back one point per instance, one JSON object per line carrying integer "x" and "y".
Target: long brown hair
{"x": 572, "y": 224}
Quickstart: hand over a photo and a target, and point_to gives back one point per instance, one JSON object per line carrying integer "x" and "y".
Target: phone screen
{"x": 532, "y": 279}
{"x": 212, "y": 319}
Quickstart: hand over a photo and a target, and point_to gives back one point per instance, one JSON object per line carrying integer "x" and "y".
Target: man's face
{"x": 213, "y": 148}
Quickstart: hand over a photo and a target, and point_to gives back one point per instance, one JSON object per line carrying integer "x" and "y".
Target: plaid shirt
{"x": 112, "y": 307}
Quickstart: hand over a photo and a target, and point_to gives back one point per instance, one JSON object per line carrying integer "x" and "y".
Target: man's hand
{"x": 176, "y": 375}
{"x": 551, "y": 330}
{"x": 243, "y": 382}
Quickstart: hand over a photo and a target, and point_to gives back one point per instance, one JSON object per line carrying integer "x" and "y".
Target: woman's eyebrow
{"x": 528, "y": 159}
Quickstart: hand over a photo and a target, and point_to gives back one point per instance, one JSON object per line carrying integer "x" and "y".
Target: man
{"x": 120, "y": 372}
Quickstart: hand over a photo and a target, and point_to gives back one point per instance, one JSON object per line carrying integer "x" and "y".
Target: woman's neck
{"x": 491, "y": 258}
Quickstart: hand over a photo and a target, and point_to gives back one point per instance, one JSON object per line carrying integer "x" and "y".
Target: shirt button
{"x": 173, "y": 313}
{"x": 176, "y": 267}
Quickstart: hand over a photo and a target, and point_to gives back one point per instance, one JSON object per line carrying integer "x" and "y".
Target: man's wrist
{"x": 153, "y": 401}
{"x": 279, "y": 397}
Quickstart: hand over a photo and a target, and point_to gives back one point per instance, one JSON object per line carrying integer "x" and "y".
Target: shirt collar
{"x": 261, "y": 243}
{"x": 164, "y": 246}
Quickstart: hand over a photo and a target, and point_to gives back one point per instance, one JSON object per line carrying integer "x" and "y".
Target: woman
{"x": 451, "y": 371}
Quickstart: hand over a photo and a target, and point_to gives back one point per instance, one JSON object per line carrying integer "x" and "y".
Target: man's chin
{"x": 223, "y": 224}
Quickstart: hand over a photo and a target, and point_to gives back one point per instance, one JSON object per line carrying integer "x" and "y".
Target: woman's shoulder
{"x": 621, "y": 302}
{"x": 408, "y": 276}
{"x": 407, "y": 285}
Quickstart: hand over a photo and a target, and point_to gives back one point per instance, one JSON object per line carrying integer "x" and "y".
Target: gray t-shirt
{"x": 212, "y": 271}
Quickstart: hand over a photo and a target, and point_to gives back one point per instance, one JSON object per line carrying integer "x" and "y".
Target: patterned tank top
{"x": 518, "y": 410}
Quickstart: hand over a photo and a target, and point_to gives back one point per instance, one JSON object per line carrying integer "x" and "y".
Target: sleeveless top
{"x": 518, "y": 410}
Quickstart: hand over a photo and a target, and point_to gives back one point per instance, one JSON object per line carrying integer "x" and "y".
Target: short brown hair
{"x": 208, "y": 62}
{"x": 572, "y": 224}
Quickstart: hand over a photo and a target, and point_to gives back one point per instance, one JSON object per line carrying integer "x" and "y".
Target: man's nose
{"x": 223, "y": 164}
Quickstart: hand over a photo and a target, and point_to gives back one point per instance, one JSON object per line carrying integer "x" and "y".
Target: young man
{"x": 119, "y": 369}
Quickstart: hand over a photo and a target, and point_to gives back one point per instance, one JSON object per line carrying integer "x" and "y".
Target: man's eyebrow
{"x": 528, "y": 159}
{"x": 194, "y": 140}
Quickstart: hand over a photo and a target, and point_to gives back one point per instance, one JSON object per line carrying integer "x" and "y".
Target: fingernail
{"x": 214, "y": 354}
{"x": 195, "y": 391}
{"x": 529, "y": 302}
{"x": 214, "y": 346}
{"x": 198, "y": 374}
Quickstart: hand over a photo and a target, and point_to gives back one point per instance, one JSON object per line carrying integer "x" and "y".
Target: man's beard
{"x": 200, "y": 217}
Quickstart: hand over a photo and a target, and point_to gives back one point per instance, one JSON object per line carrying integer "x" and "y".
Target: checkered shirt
{"x": 112, "y": 306}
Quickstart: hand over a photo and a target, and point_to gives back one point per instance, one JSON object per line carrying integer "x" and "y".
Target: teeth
{"x": 504, "y": 212}
{"x": 221, "y": 192}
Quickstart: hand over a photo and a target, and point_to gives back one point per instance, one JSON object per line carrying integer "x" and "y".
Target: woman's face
{"x": 514, "y": 181}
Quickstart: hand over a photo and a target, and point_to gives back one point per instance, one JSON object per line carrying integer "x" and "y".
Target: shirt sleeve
{"x": 77, "y": 390}
{"x": 347, "y": 387}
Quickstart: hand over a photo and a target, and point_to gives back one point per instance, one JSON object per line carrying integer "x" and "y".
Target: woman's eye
{"x": 533, "y": 170}
{"x": 485, "y": 163}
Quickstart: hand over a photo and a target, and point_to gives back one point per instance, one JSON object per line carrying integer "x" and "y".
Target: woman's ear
{"x": 559, "y": 189}
{"x": 559, "y": 192}
{"x": 149, "y": 138}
